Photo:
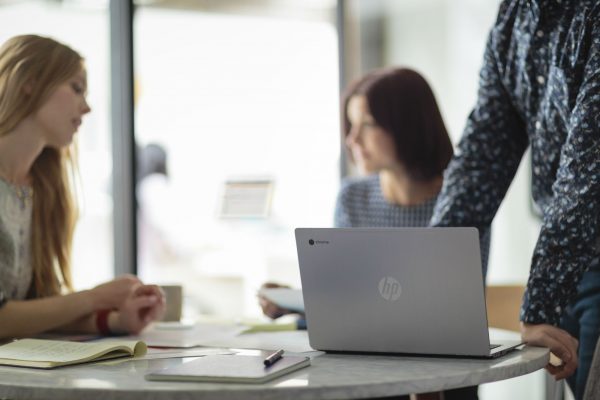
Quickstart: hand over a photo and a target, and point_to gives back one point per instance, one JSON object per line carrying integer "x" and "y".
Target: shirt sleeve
{"x": 488, "y": 154}
{"x": 567, "y": 244}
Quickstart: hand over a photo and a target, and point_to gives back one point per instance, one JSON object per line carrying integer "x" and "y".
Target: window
{"x": 243, "y": 98}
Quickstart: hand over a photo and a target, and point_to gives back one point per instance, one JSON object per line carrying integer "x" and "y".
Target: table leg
{"x": 554, "y": 389}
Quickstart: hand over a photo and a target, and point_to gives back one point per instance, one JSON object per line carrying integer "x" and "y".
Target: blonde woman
{"x": 42, "y": 102}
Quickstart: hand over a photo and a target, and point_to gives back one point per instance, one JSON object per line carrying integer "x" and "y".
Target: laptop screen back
{"x": 402, "y": 290}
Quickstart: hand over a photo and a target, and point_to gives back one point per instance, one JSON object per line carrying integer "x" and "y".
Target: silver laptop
{"x": 395, "y": 290}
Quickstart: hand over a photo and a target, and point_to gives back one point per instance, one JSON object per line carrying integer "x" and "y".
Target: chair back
{"x": 503, "y": 306}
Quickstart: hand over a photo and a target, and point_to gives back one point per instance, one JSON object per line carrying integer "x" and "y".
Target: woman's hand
{"x": 560, "y": 343}
{"x": 269, "y": 308}
{"x": 112, "y": 294}
{"x": 145, "y": 304}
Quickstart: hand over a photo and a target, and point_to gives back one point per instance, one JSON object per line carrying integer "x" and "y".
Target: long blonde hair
{"x": 31, "y": 67}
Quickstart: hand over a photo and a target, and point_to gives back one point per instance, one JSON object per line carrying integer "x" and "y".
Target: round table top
{"x": 330, "y": 376}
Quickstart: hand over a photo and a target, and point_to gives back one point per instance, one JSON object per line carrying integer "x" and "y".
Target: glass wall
{"x": 238, "y": 132}
{"x": 83, "y": 25}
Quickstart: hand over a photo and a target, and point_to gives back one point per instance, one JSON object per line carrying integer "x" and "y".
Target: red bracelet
{"x": 102, "y": 322}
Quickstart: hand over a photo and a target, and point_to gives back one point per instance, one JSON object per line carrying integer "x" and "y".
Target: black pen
{"x": 273, "y": 358}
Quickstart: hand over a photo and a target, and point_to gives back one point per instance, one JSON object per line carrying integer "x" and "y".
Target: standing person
{"x": 396, "y": 136}
{"x": 43, "y": 89}
{"x": 540, "y": 88}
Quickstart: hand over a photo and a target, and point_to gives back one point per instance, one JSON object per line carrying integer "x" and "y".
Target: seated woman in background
{"x": 397, "y": 139}
{"x": 42, "y": 102}
{"x": 396, "y": 136}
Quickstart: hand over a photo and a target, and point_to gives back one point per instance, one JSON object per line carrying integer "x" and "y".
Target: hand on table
{"x": 112, "y": 294}
{"x": 145, "y": 304}
{"x": 560, "y": 343}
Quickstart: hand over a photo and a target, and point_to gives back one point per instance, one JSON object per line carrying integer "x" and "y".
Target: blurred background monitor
{"x": 246, "y": 198}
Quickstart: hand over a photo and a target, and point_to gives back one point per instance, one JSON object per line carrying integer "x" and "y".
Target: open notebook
{"x": 41, "y": 353}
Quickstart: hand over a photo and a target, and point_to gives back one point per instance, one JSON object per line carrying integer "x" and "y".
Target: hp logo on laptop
{"x": 389, "y": 288}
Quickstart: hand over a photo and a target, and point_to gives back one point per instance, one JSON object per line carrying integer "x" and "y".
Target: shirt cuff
{"x": 535, "y": 312}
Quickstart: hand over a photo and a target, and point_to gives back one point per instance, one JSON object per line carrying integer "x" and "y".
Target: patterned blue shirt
{"x": 360, "y": 204}
{"x": 539, "y": 87}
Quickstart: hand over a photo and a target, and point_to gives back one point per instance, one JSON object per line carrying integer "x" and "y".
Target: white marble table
{"x": 331, "y": 376}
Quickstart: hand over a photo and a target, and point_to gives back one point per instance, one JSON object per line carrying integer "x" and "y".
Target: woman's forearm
{"x": 31, "y": 317}
{"x": 135, "y": 306}
{"x": 85, "y": 324}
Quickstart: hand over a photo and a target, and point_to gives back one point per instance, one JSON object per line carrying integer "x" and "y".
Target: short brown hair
{"x": 403, "y": 104}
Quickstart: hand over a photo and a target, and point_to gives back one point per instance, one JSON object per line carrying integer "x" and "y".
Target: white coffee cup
{"x": 174, "y": 302}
